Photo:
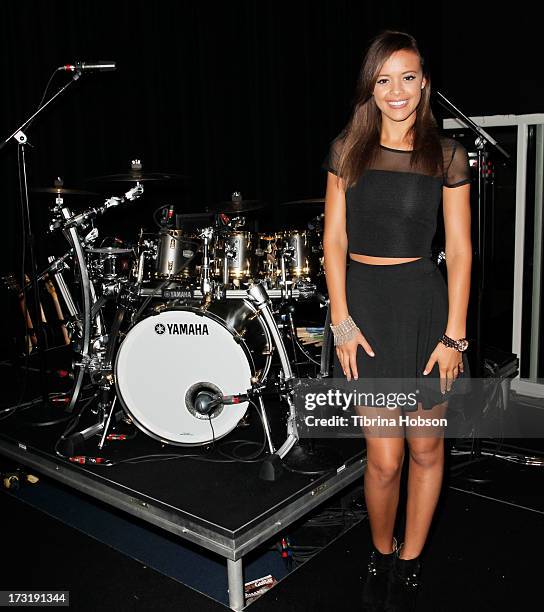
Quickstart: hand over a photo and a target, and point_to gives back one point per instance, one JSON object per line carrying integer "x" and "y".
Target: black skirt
{"x": 402, "y": 310}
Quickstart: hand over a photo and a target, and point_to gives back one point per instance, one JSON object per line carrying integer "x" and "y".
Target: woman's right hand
{"x": 347, "y": 355}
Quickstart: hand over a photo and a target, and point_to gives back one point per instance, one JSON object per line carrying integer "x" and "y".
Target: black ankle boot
{"x": 403, "y": 584}
{"x": 375, "y": 587}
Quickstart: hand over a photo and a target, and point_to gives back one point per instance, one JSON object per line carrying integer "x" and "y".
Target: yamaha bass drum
{"x": 170, "y": 365}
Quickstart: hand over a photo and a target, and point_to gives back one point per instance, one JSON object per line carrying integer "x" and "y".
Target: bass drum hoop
{"x": 241, "y": 339}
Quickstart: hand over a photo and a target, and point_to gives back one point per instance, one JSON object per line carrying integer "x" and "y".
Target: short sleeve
{"x": 330, "y": 163}
{"x": 457, "y": 171}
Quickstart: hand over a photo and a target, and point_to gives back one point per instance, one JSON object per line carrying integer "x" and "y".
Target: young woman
{"x": 392, "y": 314}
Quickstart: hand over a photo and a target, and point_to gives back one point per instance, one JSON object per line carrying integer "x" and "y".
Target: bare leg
{"x": 382, "y": 483}
{"x": 426, "y": 469}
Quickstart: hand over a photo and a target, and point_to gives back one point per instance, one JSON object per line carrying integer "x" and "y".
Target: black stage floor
{"x": 228, "y": 497}
{"x": 206, "y": 494}
{"x": 482, "y": 556}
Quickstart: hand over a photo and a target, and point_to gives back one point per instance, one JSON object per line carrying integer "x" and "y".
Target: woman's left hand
{"x": 450, "y": 364}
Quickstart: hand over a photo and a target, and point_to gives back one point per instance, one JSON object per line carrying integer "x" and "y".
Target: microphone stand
{"x": 22, "y": 141}
{"x": 18, "y": 134}
{"x": 482, "y": 140}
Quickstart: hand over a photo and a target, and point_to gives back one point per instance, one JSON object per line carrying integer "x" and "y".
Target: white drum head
{"x": 165, "y": 360}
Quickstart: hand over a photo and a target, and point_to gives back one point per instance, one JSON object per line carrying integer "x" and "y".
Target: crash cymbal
{"x": 136, "y": 173}
{"x": 139, "y": 176}
{"x": 308, "y": 202}
{"x": 63, "y": 191}
{"x": 238, "y": 206}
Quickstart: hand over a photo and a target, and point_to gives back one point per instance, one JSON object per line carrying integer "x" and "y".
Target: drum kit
{"x": 184, "y": 328}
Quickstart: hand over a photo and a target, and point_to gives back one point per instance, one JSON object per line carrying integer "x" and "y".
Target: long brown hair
{"x": 360, "y": 139}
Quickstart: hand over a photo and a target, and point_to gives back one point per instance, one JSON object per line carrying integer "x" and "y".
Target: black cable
{"x": 213, "y": 431}
{"x": 43, "y": 97}
{"x": 71, "y": 426}
{"x": 255, "y": 458}
{"x": 171, "y": 456}
{"x": 155, "y": 220}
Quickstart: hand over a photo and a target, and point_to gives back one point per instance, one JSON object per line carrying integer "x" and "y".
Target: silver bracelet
{"x": 345, "y": 331}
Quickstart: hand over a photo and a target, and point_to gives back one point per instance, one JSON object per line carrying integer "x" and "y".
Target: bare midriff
{"x": 381, "y": 261}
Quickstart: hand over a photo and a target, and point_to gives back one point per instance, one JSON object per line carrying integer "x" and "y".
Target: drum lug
{"x": 206, "y": 304}
{"x": 256, "y": 314}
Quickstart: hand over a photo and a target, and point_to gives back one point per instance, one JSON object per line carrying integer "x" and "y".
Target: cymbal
{"x": 62, "y": 191}
{"x": 195, "y": 216}
{"x": 308, "y": 202}
{"x": 238, "y": 206}
{"x": 138, "y": 175}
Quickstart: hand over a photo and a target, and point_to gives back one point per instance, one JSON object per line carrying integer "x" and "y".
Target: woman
{"x": 392, "y": 314}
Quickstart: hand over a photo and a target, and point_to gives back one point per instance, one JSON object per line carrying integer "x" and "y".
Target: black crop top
{"x": 391, "y": 211}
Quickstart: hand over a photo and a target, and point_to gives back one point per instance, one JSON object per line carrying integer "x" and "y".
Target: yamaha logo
{"x": 182, "y": 329}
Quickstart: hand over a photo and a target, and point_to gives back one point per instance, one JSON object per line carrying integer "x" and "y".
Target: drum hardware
{"x": 83, "y": 218}
{"x": 111, "y": 263}
{"x": 70, "y": 224}
{"x": 270, "y": 468}
{"x": 107, "y": 423}
{"x": 266, "y": 262}
{"x": 205, "y": 280}
{"x": 305, "y": 292}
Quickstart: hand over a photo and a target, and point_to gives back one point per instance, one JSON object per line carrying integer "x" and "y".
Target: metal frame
{"x": 527, "y": 386}
{"x": 232, "y": 545}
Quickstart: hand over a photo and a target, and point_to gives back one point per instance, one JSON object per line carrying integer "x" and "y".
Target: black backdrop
{"x": 237, "y": 95}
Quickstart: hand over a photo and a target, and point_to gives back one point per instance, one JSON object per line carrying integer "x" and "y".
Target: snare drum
{"x": 109, "y": 263}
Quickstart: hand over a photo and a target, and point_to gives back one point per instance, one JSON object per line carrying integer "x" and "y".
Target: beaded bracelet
{"x": 345, "y": 331}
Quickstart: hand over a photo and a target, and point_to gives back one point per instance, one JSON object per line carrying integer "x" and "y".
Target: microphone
{"x": 317, "y": 222}
{"x": 101, "y": 65}
{"x": 205, "y": 402}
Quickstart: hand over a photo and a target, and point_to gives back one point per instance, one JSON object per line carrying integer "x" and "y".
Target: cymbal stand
{"x": 72, "y": 235}
{"x": 70, "y": 225}
{"x": 56, "y": 271}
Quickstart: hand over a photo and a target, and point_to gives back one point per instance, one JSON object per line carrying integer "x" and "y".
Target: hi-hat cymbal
{"x": 62, "y": 191}
{"x": 308, "y": 202}
{"x": 238, "y": 206}
{"x": 138, "y": 176}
